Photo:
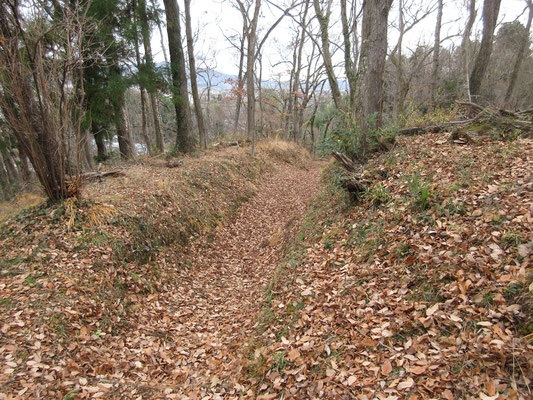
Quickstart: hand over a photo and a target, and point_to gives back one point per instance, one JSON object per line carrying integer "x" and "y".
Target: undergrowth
{"x": 441, "y": 226}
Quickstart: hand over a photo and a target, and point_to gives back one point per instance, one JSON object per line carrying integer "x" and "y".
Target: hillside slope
{"x": 113, "y": 296}
{"x": 421, "y": 290}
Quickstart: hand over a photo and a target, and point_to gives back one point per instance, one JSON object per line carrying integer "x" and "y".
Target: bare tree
{"x": 192, "y": 72}
{"x": 296, "y": 125}
{"x": 519, "y": 56}
{"x": 436, "y": 54}
{"x": 118, "y": 101}
{"x": 142, "y": 93}
{"x": 491, "y": 9}
{"x": 184, "y": 140}
{"x": 250, "y": 60}
{"x": 323, "y": 19}
{"x": 240, "y": 77}
{"x": 160, "y": 29}
{"x": 152, "y": 90}
{"x": 465, "y": 44}
{"x": 407, "y": 20}
{"x": 375, "y": 43}
{"x": 349, "y": 64}
{"x": 41, "y": 86}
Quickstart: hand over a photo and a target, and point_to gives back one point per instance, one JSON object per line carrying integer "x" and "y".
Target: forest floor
{"x": 422, "y": 289}
{"x": 96, "y": 304}
{"x": 231, "y": 278}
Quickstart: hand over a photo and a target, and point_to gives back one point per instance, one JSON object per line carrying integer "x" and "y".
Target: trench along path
{"x": 216, "y": 307}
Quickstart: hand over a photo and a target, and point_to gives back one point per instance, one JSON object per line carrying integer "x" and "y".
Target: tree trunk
{"x": 260, "y": 96}
{"x": 180, "y": 95}
{"x": 348, "y": 63}
{"x": 375, "y": 63}
{"x": 296, "y": 90}
{"x": 101, "y": 150}
{"x": 363, "y": 53}
{"x": 142, "y": 92}
{"x": 85, "y": 148}
{"x": 165, "y": 57}
{"x": 144, "y": 127}
{"x": 436, "y": 54}
{"x": 491, "y": 9}
{"x": 4, "y": 181}
{"x": 397, "y": 60}
{"x": 125, "y": 142}
{"x": 11, "y": 169}
{"x": 152, "y": 89}
{"x": 519, "y": 57}
{"x": 250, "y": 92}
{"x": 312, "y": 128}
{"x": 192, "y": 72}
{"x": 240, "y": 81}
{"x": 22, "y": 103}
{"x": 324, "y": 35}
{"x": 24, "y": 165}
{"x": 290, "y": 97}
{"x": 465, "y": 46}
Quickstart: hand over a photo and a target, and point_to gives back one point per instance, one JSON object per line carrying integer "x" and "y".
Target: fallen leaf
{"x": 406, "y": 384}
{"x": 430, "y": 311}
{"x": 386, "y": 368}
{"x": 483, "y": 396}
{"x": 418, "y": 369}
{"x": 447, "y": 394}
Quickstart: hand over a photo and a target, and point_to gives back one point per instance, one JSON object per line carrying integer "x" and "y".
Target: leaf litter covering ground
{"x": 70, "y": 328}
{"x": 420, "y": 292}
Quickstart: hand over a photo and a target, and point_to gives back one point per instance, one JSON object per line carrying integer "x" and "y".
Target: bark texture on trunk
{"x": 348, "y": 63}
{"x": 491, "y": 9}
{"x": 24, "y": 164}
{"x": 519, "y": 57}
{"x": 152, "y": 90}
{"x": 296, "y": 125}
{"x": 4, "y": 181}
{"x": 465, "y": 45}
{"x": 180, "y": 95}
{"x": 374, "y": 61}
{"x": 323, "y": 20}
{"x": 125, "y": 142}
{"x": 194, "y": 85}
{"x": 240, "y": 81}
{"x": 436, "y": 56}
{"x": 142, "y": 94}
{"x": 9, "y": 163}
{"x": 250, "y": 60}
{"x": 86, "y": 149}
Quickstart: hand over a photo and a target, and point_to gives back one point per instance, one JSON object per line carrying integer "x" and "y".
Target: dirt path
{"x": 217, "y": 307}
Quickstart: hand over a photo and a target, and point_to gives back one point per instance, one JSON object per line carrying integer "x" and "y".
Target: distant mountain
{"x": 222, "y": 82}
{"x": 219, "y": 80}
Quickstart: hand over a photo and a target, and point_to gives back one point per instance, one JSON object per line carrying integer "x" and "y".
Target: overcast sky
{"x": 214, "y": 19}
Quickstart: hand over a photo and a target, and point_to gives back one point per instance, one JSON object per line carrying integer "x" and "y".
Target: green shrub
{"x": 347, "y": 137}
{"x": 378, "y": 194}
{"x": 419, "y": 190}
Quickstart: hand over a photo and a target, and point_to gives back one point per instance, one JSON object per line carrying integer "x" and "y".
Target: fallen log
{"x": 420, "y": 130}
{"x": 488, "y": 120}
{"x": 353, "y": 186}
{"x": 173, "y": 164}
{"x": 460, "y": 137}
{"x": 345, "y": 161}
{"x": 227, "y": 144}
{"x": 473, "y": 109}
{"x": 349, "y": 181}
{"x": 95, "y": 175}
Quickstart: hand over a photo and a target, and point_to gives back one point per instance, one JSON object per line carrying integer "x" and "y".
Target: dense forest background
{"x": 79, "y": 84}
